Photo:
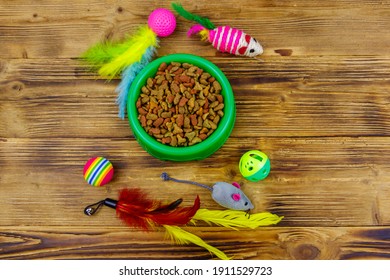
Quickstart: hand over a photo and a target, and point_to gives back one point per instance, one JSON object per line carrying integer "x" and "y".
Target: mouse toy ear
{"x": 236, "y": 196}
{"x": 237, "y": 185}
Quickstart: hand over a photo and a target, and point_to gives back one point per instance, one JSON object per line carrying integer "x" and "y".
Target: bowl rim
{"x": 199, "y": 150}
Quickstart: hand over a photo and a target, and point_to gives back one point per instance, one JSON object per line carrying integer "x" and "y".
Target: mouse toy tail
{"x": 166, "y": 177}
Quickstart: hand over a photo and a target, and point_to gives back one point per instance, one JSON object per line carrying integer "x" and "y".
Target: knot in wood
{"x": 306, "y": 252}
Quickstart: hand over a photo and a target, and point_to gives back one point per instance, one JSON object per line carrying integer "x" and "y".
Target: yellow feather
{"x": 236, "y": 219}
{"x": 204, "y": 34}
{"x": 181, "y": 236}
{"x": 137, "y": 45}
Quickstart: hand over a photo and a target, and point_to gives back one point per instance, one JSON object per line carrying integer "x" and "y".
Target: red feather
{"x": 136, "y": 210}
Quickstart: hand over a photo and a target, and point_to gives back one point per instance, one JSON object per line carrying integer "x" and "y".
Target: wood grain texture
{"x": 310, "y": 183}
{"x": 303, "y": 98}
{"x": 320, "y": 243}
{"x": 306, "y": 28}
{"x": 318, "y": 104}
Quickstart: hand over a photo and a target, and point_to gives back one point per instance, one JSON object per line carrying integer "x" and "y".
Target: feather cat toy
{"x": 223, "y": 38}
{"x": 137, "y": 210}
{"x": 132, "y": 55}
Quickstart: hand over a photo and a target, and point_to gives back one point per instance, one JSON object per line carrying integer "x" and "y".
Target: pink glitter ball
{"x": 162, "y": 22}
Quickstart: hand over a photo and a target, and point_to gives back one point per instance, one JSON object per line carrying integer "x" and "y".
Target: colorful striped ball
{"x": 98, "y": 171}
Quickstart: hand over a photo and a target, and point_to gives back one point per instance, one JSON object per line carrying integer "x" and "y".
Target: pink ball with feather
{"x": 162, "y": 22}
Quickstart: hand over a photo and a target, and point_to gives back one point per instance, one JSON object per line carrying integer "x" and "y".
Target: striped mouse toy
{"x": 223, "y": 38}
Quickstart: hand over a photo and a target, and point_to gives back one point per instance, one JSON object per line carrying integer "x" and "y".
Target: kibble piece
{"x": 180, "y": 120}
{"x": 162, "y": 67}
{"x": 176, "y": 129}
{"x": 195, "y": 141}
{"x": 213, "y": 125}
{"x": 187, "y": 122}
{"x": 214, "y": 104}
{"x": 151, "y": 116}
{"x": 219, "y": 107}
{"x": 143, "y": 120}
{"x": 182, "y": 101}
{"x": 166, "y": 115}
{"x": 177, "y": 98}
{"x": 216, "y": 119}
{"x": 205, "y": 75}
{"x": 204, "y": 130}
{"x": 142, "y": 111}
{"x": 154, "y": 130}
{"x": 158, "y": 122}
{"x": 173, "y": 141}
{"x": 202, "y": 136}
{"x": 206, "y": 124}
{"x": 145, "y": 90}
{"x": 176, "y": 64}
{"x": 175, "y": 88}
{"x": 150, "y": 82}
{"x": 194, "y": 120}
{"x": 191, "y": 102}
{"x": 204, "y": 82}
{"x": 180, "y": 140}
{"x": 190, "y": 135}
{"x": 166, "y": 140}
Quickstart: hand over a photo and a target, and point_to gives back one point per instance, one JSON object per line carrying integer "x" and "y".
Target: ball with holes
{"x": 162, "y": 22}
{"x": 254, "y": 165}
{"x": 98, "y": 171}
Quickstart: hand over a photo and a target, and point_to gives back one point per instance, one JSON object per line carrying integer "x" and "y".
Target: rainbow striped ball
{"x": 98, "y": 171}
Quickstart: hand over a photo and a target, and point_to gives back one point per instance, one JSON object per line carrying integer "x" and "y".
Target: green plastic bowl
{"x": 200, "y": 150}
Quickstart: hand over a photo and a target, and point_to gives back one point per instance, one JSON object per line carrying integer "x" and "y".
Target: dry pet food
{"x": 181, "y": 106}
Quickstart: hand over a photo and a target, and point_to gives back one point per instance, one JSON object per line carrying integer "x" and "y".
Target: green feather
{"x": 205, "y": 22}
{"x": 101, "y": 53}
{"x": 112, "y": 57}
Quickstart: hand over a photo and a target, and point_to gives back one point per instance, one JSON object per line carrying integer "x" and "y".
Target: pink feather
{"x": 195, "y": 29}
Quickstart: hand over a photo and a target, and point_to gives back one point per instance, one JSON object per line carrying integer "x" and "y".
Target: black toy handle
{"x": 93, "y": 208}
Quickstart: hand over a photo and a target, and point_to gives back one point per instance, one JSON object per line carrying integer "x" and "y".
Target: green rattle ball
{"x": 254, "y": 165}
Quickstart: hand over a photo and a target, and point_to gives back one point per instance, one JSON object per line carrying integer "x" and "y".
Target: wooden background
{"x": 318, "y": 105}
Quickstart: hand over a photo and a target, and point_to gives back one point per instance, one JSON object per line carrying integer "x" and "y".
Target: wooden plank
{"x": 275, "y": 243}
{"x": 309, "y": 97}
{"x": 313, "y": 181}
{"x": 333, "y": 29}
{"x": 274, "y": 70}
{"x": 317, "y": 103}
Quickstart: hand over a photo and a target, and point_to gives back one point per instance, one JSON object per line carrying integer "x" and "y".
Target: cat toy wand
{"x": 137, "y": 210}
{"x": 132, "y": 55}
